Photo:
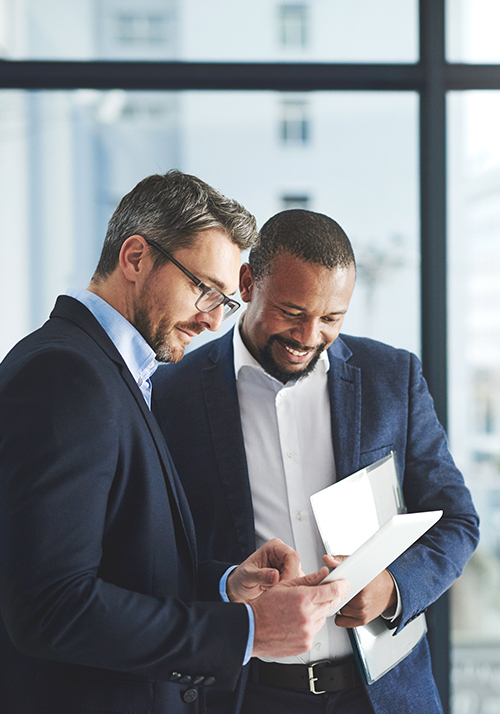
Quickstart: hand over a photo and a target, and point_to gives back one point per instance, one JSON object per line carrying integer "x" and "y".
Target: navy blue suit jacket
{"x": 379, "y": 402}
{"x": 98, "y": 567}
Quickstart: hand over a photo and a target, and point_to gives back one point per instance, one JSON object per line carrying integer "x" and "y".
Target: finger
{"x": 328, "y": 608}
{"x": 285, "y": 559}
{"x": 267, "y": 578}
{"x": 333, "y": 560}
{"x": 330, "y": 594}
{"x": 312, "y": 579}
{"x": 263, "y": 577}
{"x": 347, "y": 622}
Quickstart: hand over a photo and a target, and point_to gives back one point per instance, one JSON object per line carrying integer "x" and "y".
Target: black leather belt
{"x": 317, "y": 677}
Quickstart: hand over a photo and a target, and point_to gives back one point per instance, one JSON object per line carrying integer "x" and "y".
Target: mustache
{"x": 294, "y": 345}
{"x": 191, "y": 327}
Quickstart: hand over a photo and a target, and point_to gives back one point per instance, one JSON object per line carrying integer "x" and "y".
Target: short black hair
{"x": 312, "y": 237}
{"x": 171, "y": 209}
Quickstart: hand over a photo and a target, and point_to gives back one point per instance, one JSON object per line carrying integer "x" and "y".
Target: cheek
{"x": 272, "y": 326}
{"x": 331, "y": 335}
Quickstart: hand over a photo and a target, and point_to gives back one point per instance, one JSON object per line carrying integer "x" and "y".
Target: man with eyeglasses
{"x": 105, "y": 607}
{"x": 283, "y": 406}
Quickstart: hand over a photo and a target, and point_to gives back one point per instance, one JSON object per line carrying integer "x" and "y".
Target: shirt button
{"x": 298, "y": 516}
{"x": 139, "y": 381}
{"x": 290, "y": 454}
{"x": 317, "y": 646}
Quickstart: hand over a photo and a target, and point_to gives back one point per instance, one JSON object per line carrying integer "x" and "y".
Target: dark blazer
{"x": 379, "y": 402}
{"x": 98, "y": 563}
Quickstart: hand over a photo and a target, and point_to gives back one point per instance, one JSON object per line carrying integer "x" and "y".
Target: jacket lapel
{"x": 344, "y": 387}
{"x": 71, "y": 309}
{"x": 221, "y": 399}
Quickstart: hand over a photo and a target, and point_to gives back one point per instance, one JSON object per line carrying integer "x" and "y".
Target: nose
{"x": 308, "y": 333}
{"x": 211, "y": 320}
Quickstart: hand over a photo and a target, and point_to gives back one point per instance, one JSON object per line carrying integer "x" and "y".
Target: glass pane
{"x": 472, "y": 28}
{"x": 474, "y": 386}
{"x": 226, "y": 30}
{"x": 66, "y": 158}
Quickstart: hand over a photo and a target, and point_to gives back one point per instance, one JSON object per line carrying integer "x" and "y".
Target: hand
{"x": 370, "y": 602}
{"x": 288, "y": 615}
{"x": 271, "y": 563}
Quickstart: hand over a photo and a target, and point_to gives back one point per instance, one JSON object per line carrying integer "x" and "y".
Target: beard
{"x": 161, "y": 337}
{"x": 269, "y": 364}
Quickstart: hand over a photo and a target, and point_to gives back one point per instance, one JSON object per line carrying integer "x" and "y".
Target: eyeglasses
{"x": 210, "y": 298}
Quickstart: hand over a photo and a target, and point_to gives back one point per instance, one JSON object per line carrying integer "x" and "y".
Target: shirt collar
{"x": 135, "y": 351}
{"x": 243, "y": 358}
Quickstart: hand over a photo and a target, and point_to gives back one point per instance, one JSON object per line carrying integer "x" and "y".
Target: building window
{"x": 295, "y": 201}
{"x": 140, "y": 28}
{"x": 295, "y": 124}
{"x": 486, "y": 392}
{"x": 293, "y": 26}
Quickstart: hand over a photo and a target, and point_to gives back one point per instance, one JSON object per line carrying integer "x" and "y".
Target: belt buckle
{"x": 312, "y": 678}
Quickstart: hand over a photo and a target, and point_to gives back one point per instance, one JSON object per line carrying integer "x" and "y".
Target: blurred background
{"x": 357, "y": 154}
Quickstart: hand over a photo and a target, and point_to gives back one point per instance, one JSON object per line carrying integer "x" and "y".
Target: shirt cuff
{"x": 251, "y": 616}
{"x": 393, "y": 612}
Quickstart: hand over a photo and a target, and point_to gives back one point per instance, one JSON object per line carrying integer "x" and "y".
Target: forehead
{"x": 213, "y": 258}
{"x": 309, "y": 286}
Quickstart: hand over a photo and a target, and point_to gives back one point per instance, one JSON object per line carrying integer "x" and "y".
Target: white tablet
{"x": 379, "y": 551}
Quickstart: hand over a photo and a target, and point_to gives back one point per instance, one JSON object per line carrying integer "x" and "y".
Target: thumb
{"x": 266, "y": 577}
{"x": 313, "y": 578}
{"x": 334, "y": 560}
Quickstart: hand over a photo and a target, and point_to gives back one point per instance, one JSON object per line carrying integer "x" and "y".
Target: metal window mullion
{"x": 434, "y": 272}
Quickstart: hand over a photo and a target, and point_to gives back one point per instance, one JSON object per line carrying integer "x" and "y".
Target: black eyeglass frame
{"x": 230, "y": 305}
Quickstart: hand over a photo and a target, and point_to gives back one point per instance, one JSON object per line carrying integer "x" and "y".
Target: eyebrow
{"x": 302, "y": 309}
{"x": 218, "y": 283}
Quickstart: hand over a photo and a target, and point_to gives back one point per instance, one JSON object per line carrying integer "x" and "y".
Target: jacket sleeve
{"x": 65, "y": 455}
{"x": 431, "y": 481}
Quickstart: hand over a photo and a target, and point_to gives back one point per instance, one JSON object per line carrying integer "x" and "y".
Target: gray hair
{"x": 171, "y": 209}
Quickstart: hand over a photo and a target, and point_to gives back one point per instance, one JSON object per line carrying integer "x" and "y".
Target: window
{"x": 295, "y": 125}
{"x": 140, "y": 28}
{"x": 293, "y": 26}
{"x": 295, "y": 201}
{"x": 474, "y": 385}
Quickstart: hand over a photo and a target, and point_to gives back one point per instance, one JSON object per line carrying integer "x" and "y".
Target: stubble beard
{"x": 269, "y": 364}
{"x": 161, "y": 337}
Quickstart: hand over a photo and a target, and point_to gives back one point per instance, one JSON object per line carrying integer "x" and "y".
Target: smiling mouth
{"x": 296, "y": 353}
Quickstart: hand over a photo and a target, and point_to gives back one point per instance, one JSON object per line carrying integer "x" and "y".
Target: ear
{"x": 134, "y": 258}
{"x": 247, "y": 282}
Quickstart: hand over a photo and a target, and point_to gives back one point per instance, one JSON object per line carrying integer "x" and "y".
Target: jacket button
{"x": 198, "y": 680}
{"x": 190, "y": 695}
{"x": 209, "y": 681}
{"x": 185, "y": 679}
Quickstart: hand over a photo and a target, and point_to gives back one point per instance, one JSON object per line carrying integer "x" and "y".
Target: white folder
{"x": 361, "y": 516}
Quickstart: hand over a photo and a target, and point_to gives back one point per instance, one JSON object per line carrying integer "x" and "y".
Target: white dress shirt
{"x": 288, "y": 444}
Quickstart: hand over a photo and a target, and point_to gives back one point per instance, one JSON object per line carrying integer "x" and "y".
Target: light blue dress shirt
{"x": 141, "y": 361}
{"x": 135, "y": 351}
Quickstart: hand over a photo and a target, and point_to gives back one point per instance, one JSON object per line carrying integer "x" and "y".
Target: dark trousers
{"x": 262, "y": 699}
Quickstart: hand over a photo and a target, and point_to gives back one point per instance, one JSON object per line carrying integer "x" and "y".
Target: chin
{"x": 169, "y": 354}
